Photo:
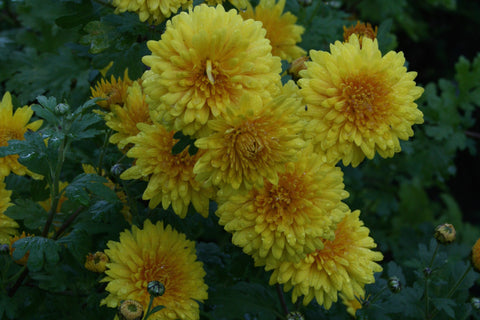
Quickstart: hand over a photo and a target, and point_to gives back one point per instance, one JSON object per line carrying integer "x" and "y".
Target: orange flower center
{"x": 7, "y": 134}
{"x": 246, "y": 140}
{"x": 210, "y": 79}
{"x": 366, "y": 102}
{"x": 275, "y": 202}
{"x": 334, "y": 248}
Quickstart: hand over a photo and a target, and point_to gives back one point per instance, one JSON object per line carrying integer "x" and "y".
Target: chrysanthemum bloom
{"x": 345, "y": 265}
{"x": 125, "y": 211}
{"x": 8, "y": 226}
{"x": 476, "y": 255}
{"x": 282, "y": 31}
{"x": 252, "y": 143}
{"x": 239, "y": 4}
{"x": 114, "y": 91}
{"x": 286, "y": 221}
{"x": 171, "y": 177}
{"x": 359, "y": 102}
{"x": 12, "y": 127}
{"x": 361, "y": 30}
{"x": 124, "y": 119}
{"x": 23, "y": 261}
{"x": 206, "y": 60}
{"x": 155, "y": 11}
{"x": 155, "y": 253}
{"x": 96, "y": 262}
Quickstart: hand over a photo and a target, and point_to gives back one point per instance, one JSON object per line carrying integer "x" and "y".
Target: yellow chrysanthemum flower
{"x": 239, "y": 4}
{"x": 361, "y": 30}
{"x": 345, "y": 265}
{"x": 171, "y": 177}
{"x": 155, "y": 253}
{"x": 282, "y": 31}
{"x": 286, "y": 221}
{"x": 124, "y": 119}
{"x": 476, "y": 255}
{"x": 206, "y": 60}
{"x": 96, "y": 262}
{"x": 8, "y": 226}
{"x": 120, "y": 193}
{"x": 253, "y": 142}
{"x": 114, "y": 91}
{"x": 12, "y": 127}
{"x": 155, "y": 11}
{"x": 359, "y": 102}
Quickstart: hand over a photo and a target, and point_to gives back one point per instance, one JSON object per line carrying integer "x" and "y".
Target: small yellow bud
{"x": 130, "y": 310}
{"x": 361, "y": 30}
{"x": 296, "y": 66}
{"x": 96, "y": 262}
{"x": 445, "y": 233}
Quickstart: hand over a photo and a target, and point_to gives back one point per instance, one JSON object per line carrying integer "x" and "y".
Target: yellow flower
{"x": 171, "y": 177}
{"x": 359, "y": 102}
{"x": 282, "y": 31}
{"x": 361, "y": 30}
{"x": 286, "y": 221}
{"x": 239, "y": 4}
{"x": 12, "y": 127}
{"x": 206, "y": 60}
{"x": 253, "y": 142}
{"x": 120, "y": 194}
{"x": 23, "y": 261}
{"x": 8, "y": 226}
{"x": 114, "y": 91}
{"x": 124, "y": 119}
{"x": 155, "y": 11}
{"x": 155, "y": 253}
{"x": 96, "y": 262}
{"x": 476, "y": 255}
{"x": 345, "y": 265}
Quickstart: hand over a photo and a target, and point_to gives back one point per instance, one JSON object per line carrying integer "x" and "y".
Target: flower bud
{"x": 394, "y": 284}
{"x": 117, "y": 169}
{"x": 96, "y": 262}
{"x": 475, "y": 302}
{"x": 4, "y": 249}
{"x": 427, "y": 271}
{"x": 362, "y": 31}
{"x": 295, "y": 315}
{"x": 476, "y": 255}
{"x": 155, "y": 288}
{"x": 445, "y": 233}
{"x": 130, "y": 310}
{"x": 62, "y": 108}
{"x": 296, "y": 66}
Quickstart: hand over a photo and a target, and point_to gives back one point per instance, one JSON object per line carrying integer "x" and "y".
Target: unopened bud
{"x": 394, "y": 284}
{"x": 96, "y": 262}
{"x": 4, "y": 249}
{"x": 117, "y": 169}
{"x": 130, "y": 310}
{"x": 427, "y": 271}
{"x": 62, "y": 108}
{"x": 155, "y": 288}
{"x": 475, "y": 303}
{"x": 445, "y": 233}
{"x": 295, "y": 315}
{"x": 296, "y": 66}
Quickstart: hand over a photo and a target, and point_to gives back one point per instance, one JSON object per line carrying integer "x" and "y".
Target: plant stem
{"x": 67, "y": 223}
{"x": 102, "y": 154}
{"x": 18, "y": 283}
{"x": 281, "y": 298}
{"x": 427, "y": 276}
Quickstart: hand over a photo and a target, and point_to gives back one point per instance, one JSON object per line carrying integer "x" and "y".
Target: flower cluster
{"x": 264, "y": 150}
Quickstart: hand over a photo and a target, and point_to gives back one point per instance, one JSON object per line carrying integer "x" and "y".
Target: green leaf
{"x": 156, "y": 309}
{"x": 445, "y": 305}
{"x": 78, "y": 189}
{"x": 32, "y": 214}
{"x": 41, "y": 250}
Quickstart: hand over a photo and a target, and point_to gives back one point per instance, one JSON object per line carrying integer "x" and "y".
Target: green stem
{"x": 427, "y": 276}
{"x": 102, "y": 154}
{"x": 16, "y": 275}
{"x": 377, "y": 295}
{"x": 149, "y": 308}
{"x": 67, "y": 223}
{"x": 454, "y": 288}
{"x": 281, "y": 298}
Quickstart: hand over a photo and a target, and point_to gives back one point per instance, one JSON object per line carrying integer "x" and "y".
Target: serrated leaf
{"x": 78, "y": 189}
{"x": 32, "y": 214}
{"x": 445, "y": 305}
{"x": 40, "y": 250}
